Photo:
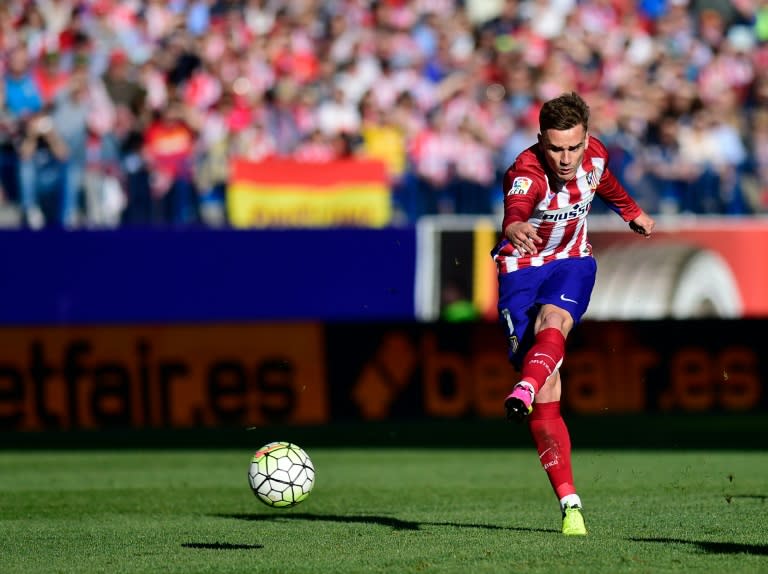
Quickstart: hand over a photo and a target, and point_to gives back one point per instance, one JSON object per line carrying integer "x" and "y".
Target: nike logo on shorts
{"x": 564, "y": 298}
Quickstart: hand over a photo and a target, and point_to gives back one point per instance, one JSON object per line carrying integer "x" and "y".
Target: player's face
{"x": 564, "y": 150}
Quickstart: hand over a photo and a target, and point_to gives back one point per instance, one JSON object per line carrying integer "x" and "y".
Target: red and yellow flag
{"x": 286, "y": 193}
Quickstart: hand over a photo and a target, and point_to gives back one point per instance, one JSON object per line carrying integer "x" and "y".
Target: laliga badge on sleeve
{"x": 520, "y": 186}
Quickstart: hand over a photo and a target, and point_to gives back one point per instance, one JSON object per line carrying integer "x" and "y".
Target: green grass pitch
{"x": 387, "y": 510}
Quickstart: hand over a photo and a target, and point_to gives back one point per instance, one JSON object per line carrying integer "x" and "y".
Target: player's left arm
{"x": 614, "y": 194}
{"x": 618, "y": 199}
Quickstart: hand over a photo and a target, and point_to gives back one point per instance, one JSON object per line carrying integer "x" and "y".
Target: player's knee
{"x": 554, "y": 318}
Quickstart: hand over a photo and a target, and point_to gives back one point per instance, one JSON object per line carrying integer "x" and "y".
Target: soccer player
{"x": 546, "y": 273}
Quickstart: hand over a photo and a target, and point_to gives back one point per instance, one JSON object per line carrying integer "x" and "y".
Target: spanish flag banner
{"x": 286, "y": 193}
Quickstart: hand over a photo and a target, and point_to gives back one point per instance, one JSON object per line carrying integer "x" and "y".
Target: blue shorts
{"x": 566, "y": 283}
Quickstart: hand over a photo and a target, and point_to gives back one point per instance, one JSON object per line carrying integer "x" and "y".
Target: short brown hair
{"x": 564, "y": 112}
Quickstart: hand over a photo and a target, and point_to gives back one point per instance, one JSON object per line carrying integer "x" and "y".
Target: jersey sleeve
{"x": 522, "y": 190}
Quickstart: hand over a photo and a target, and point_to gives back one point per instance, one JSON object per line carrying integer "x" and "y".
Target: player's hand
{"x": 523, "y": 236}
{"x": 642, "y": 224}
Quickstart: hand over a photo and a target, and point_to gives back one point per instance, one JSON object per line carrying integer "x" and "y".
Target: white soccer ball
{"x": 281, "y": 474}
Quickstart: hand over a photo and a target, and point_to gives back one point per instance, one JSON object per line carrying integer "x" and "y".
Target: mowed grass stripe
{"x": 381, "y": 510}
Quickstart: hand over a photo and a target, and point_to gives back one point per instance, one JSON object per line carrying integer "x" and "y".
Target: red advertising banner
{"x": 286, "y": 193}
{"x": 692, "y": 269}
{"x": 688, "y": 269}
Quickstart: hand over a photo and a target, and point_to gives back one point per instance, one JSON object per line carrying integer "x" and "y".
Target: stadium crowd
{"x": 122, "y": 112}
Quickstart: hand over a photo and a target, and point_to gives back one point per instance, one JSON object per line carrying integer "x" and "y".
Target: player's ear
{"x": 586, "y": 140}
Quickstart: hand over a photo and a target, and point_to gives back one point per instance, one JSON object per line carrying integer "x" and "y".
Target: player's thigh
{"x": 518, "y": 308}
{"x": 569, "y": 285}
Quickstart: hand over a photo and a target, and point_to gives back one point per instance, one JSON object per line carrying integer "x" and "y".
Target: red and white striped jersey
{"x": 557, "y": 209}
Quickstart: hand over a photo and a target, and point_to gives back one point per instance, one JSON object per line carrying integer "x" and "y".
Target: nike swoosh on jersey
{"x": 564, "y": 298}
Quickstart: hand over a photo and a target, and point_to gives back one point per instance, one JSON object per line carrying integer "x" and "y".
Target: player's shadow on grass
{"x": 394, "y": 523}
{"x": 713, "y": 547}
{"x": 760, "y": 497}
{"x": 221, "y": 546}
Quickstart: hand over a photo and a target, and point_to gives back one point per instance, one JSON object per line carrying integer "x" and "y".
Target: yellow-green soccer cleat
{"x": 573, "y": 521}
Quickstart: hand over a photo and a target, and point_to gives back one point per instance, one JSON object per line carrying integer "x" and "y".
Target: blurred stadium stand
{"x": 129, "y": 113}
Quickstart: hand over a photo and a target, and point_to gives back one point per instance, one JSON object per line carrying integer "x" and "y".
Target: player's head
{"x": 563, "y": 133}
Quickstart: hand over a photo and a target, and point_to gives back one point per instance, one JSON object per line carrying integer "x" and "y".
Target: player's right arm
{"x": 520, "y": 197}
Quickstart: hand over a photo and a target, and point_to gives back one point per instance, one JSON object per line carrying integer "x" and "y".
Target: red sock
{"x": 553, "y": 443}
{"x": 544, "y": 357}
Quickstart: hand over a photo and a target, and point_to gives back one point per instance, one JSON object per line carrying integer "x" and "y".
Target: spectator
{"x": 9, "y": 161}
{"x": 317, "y": 147}
{"x": 337, "y": 114}
{"x": 431, "y": 154}
{"x": 281, "y": 118}
{"x": 123, "y": 88}
{"x": 42, "y": 162}
{"x": 22, "y": 95}
{"x": 70, "y": 120}
{"x": 756, "y": 184}
{"x": 50, "y": 77}
{"x": 699, "y": 147}
{"x": 32, "y": 30}
{"x": 668, "y": 170}
{"x": 471, "y": 188}
{"x": 168, "y": 149}
{"x": 383, "y": 138}
{"x": 86, "y": 118}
